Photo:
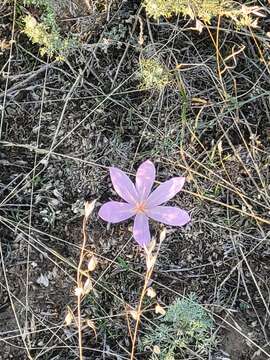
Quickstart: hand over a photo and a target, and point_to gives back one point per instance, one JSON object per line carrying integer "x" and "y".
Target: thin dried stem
{"x": 150, "y": 264}
{"x": 89, "y": 207}
{"x": 79, "y": 286}
{"x": 134, "y": 338}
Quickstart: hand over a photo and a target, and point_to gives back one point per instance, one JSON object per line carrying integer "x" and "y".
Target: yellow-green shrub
{"x": 44, "y": 31}
{"x": 204, "y": 9}
{"x": 153, "y": 74}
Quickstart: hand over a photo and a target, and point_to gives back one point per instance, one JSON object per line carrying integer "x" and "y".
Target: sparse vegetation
{"x": 49, "y": 42}
{"x": 153, "y": 74}
{"x": 139, "y": 84}
{"x": 185, "y": 328}
{"x": 205, "y": 10}
{"x": 47, "y": 12}
{"x": 45, "y": 32}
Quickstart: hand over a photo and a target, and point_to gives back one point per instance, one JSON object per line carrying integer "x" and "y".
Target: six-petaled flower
{"x": 143, "y": 204}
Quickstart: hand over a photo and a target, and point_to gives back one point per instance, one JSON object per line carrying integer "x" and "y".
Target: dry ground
{"x": 64, "y": 124}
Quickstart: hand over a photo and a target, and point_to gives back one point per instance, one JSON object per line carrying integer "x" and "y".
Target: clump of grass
{"x": 186, "y": 326}
{"x": 153, "y": 74}
{"x": 45, "y": 32}
{"x": 204, "y": 9}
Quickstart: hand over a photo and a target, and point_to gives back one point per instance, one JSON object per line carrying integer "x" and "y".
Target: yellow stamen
{"x": 140, "y": 208}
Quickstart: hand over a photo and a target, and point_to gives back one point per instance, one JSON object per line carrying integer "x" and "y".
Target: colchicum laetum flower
{"x": 143, "y": 204}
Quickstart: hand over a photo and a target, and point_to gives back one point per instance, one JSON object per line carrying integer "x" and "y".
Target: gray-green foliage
{"x": 205, "y": 10}
{"x": 186, "y": 326}
{"x": 48, "y": 14}
{"x": 153, "y": 74}
{"x": 45, "y": 32}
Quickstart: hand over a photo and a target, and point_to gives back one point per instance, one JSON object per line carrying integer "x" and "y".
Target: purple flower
{"x": 141, "y": 203}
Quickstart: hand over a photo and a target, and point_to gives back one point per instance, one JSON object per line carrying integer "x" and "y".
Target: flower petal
{"x": 145, "y": 177}
{"x": 141, "y": 230}
{"x": 114, "y": 211}
{"x": 123, "y": 185}
{"x": 169, "y": 215}
{"x": 165, "y": 191}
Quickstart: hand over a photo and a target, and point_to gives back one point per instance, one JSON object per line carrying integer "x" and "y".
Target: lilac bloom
{"x": 143, "y": 204}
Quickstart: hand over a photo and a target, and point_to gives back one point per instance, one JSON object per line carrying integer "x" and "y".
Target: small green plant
{"x": 153, "y": 74}
{"x": 47, "y": 12}
{"x": 204, "y": 10}
{"x": 185, "y": 326}
{"x": 45, "y": 31}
